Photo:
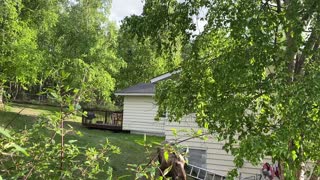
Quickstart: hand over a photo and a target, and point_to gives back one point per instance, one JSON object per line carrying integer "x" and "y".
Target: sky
{"x": 123, "y": 8}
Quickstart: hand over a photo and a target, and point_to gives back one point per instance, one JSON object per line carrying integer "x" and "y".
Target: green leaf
{"x": 166, "y": 171}
{"x": 124, "y": 177}
{"x": 17, "y": 148}
{"x": 156, "y": 143}
{"x": 166, "y": 155}
{"x": 72, "y": 141}
{"x": 5, "y": 132}
{"x": 199, "y": 132}
{"x": 54, "y": 95}
{"x": 174, "y": 132}
{"x": 206, "y": 125}
{"x": 294, "y": 155}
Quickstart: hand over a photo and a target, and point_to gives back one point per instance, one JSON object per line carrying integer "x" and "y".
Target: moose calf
{"x": 177, "y": 162}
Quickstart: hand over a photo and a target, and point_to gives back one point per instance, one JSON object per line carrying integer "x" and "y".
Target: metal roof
{"x": 141, "y": 89}
{"x": 145, "y": 89}
{"x": 164, "y": 76}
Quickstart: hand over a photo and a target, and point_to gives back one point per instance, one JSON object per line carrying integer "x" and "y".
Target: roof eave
{"x": 134, "y": 94}
{"x": 164, "y": 76}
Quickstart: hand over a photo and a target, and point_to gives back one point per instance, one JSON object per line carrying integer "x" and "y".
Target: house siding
{"x": 217, "y": 159}
{"x": 138, "y": 115}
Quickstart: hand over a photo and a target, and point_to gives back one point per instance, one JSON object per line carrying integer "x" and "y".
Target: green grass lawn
{"x": 131, "y": 151}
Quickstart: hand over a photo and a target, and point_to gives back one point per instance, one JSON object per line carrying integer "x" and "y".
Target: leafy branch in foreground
{"x": 169, "y": 159}
{"x": 251, "y": 77}
{"x": 51, "y": 146}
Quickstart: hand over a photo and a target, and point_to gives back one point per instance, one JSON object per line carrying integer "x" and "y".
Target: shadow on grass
{"x": 36, "y": 107}
{"x": 15, "y": 121}
{"x": 132, "y": 150}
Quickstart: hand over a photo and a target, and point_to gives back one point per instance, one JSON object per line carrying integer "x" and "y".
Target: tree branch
{"x": 33, "y": 166}
{"x": 14, "y": 118}
{"x": 278, "y": 6}
{"x": 311, "y": 43}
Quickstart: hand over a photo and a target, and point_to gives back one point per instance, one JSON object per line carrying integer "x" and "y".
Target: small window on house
{"x": 197, "y": 157}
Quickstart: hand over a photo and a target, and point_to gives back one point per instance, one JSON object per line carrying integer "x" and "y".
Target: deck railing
{"x": 100, "y": 119}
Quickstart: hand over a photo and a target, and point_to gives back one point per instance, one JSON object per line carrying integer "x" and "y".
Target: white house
{"x": 139, "y": 110}
{"x": 139, "y": 117}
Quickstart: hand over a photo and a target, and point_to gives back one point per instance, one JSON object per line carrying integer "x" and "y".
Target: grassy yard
{"x": 131, "y": 151}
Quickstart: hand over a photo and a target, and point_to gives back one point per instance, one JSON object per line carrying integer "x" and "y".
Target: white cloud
{"x": 122, "y": 8}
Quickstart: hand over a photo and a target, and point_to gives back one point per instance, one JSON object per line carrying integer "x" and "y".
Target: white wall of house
{"x": 138, "y": 115}
{"x": 217, "y": 159}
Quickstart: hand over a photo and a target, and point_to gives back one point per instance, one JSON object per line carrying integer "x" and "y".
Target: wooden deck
{"x": 99, "y": 119}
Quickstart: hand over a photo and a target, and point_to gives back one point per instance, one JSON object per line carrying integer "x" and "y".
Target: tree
{"x": 17, "y": 43}
{"x": 84, "y": 46}
{"x": 142, "y": 58}
{"x": 39, "y": 38}
{"x": 73, "y": 45}
{"x": 252, "y": 77}
{"x": 26, "y": 27}
{"x": 42, "y": 16}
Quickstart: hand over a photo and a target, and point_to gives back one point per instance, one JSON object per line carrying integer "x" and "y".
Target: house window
{"x": 197, "y": 157}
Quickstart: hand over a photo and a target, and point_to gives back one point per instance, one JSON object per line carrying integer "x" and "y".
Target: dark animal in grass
{"x": 177, "y": 162}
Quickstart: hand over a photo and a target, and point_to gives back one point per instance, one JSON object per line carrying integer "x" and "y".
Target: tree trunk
{"x": 40, "y": 90}
{"x": 1, "y": 97}
{"x": 301, "y": 172}
{"x": 281, "y": 170}
{"x": 313, "y": 176}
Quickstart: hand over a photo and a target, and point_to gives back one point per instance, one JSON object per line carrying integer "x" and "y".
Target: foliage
{"x": 142, "y": 55}
{"x": 151, "y": 170}
{"x": 40, "y": 37}
{"x": 143, "y": 62}
{"x": 43, "y": 161}
{"x": 131, "y": 145}
{"x": 147, "y": 170}
{"x": 164, "y": 22}
{"x": 70, "y": 45}
{"x": 252, "y": 76}
{"x": 17, "y": 43}
{"x": 85, "y": 48}
{"x": 46, "y": 153}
